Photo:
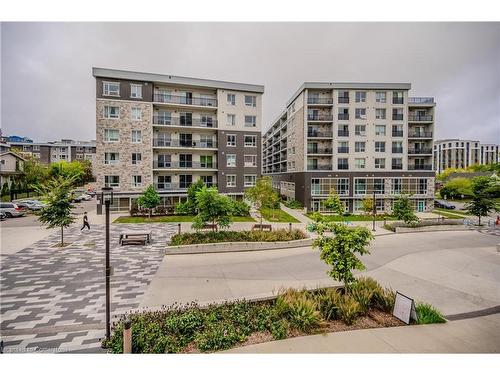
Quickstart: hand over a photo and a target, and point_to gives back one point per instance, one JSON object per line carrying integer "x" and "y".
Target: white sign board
{"x": 404, "y": 308}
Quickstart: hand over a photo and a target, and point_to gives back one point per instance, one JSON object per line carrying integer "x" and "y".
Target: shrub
{"x": 456, "y": 187}
{"x": 218, "y": 336}
{"x": 279, "y": 329}
{"x": 240, "y": 208}
{"x": 294, "y": 204}
{"x": 349, "y": 309}
{"x": 303, "y": 314}
{"x": 384, "y": 299}
{"x": 328, "y": 303}
{"x": 362, "y": 293}
{"x": 427, "y": 314}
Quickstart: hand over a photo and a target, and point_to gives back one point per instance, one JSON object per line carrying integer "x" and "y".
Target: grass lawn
{"x": 449, "y": 214}
{"x": 277, "y": 216}
{"x": 352, "y": 217}
{"x": 172, "y": 219}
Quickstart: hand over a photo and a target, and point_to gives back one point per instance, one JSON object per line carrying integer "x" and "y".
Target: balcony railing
{"x": 343, "y": 150}
{"x": 420, "y": 135}
{"x": 319, "y": 167}
{"x": 319, "y": 100}
{"x": 343, "y": 116}
{"x": 183, "y": 164}
{"x": 343, "y": 133}
{"x": 397, "y": 100}
{"x": 161, "y": 186}
{"x": 343, "y": 99}
{"x": 176, "y": 121}
{"x": 420, "y": 118}
{"x": 397, "y": 166}
{"x": 317, "y": 134}
{"x": 178, "y": 99}
{"x": 421, "y": 151}
{"x": 397, "y": 117}
{"x": 397, "y": 150}
{"x": 397, "y": 133}
{"x": 319, "y": 151}
{"x": 420, "y": 167}
{"x": 161, "y": 142}
{"x": 342, "y": 166}
{"x": 421, "y": 100}
{"x": 319, "y": 117}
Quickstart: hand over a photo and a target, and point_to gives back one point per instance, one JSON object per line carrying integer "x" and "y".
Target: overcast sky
{"x": 48, "y": 92}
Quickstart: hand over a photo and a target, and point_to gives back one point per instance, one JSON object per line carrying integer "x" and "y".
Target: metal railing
{"x": 421, "y": 167}
{"x": 397, "y": 117}
{"x": 319, "y": 167}
{"x": 176, "y": 121}
{"x": 397, "y": 133}
{"x": 342, "y": 166}
{"x": 319, "y": 117}
{"x": 343, "y": 133}
{"x": 420, "y": 118}
{"x": 319, "y": 100}
{"x": 343, "y": 99}
{"x": 420, "y": 135}
{"x": 318, "y": 134}
{"x": 163, "y": 142}
{"x": 178, "y": 99}
{"x": 343, "y": 116}
{"x": 397, "y": 150}
{"x": 421, "y": 151}
{"x": 343, "y": 150}
{"x": 319, "y": 151}
{"x": 397, "y": 100}
{"x": 397, "y": 166}
{"x": 183, "y": 164}
{"x": 161, "y": 186}
{"x": 421, "y": 100}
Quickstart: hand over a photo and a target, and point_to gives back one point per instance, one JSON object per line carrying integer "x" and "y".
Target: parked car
{"x": 443, "y": 204}
{"x": 86, "y": 197}
{"x": 30, "y": 204}
{"x": 2, "y": 216}
{"x": 11, "y": 209}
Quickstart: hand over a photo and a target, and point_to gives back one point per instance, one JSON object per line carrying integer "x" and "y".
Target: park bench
{"x": 135, "y": 237}
{"x": 262, "y": 227}
{"x": 210, "y": 226}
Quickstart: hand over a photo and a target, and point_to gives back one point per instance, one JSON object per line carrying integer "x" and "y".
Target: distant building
{"x": 11, "y": 165}
{"x": 460, "y": 153}
{"x": 17, "y": 138}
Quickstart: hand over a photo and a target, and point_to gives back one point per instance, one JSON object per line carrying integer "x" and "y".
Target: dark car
{"x": 443, "y": 204}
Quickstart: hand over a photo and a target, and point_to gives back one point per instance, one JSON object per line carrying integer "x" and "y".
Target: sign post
{"x": 404, "y": 308}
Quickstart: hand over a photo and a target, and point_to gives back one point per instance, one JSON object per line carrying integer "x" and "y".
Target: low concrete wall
{"x": 225, "y": 247}
{"x": 431, "y": 228}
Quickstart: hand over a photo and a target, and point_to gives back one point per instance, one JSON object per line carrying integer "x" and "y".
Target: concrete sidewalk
{"x": 476, "y": 335}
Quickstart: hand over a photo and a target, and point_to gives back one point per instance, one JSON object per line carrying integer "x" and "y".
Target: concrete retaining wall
{"x": 224, "y": 247}
{"x": 431, "y": 228}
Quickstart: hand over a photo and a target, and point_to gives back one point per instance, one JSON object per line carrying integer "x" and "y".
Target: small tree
{"x": 334, "y": 204}
{"x": 262, "y": 195}
{"x": 149, "y": 199}
{"x": 212, "y": 207}
{"x": 403, "y": 210}
{"x": 339, "y": 251}
{"x": 5, "y": 190}
{"x": 57, "y": 211}
{"x": 189, "y": 206}
{"x": 368, "y": 205}
{"x": 481, "y": 203}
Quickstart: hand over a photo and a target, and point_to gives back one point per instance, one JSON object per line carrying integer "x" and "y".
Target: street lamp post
{"x": 374, "y": 211}
{"x": 107, "y": 198}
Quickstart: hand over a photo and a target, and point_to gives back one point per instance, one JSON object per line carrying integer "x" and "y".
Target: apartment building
{"x": 55, "y": 151}
{"x": 460, "y": 153}
{"x": 356, "y": 139}
{"x": 171, "y": 131}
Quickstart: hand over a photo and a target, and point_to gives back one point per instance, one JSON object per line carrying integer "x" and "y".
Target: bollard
{"x": 179, "y": 228}
{"x": 289, "y": 227}
{"x": 127, "y": 337}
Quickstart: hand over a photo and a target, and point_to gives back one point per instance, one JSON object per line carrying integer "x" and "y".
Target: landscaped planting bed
{"x": 192, "y": 329}
{"x": 424, "y": 223}
{"x": 171, "y": 219}
{"x": 341, "y": 218}
{"x": 233, "y": 236}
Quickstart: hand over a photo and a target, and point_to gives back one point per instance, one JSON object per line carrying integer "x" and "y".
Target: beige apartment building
{"x": 170, "y": 131}
{"x": 354, "y": 138}
{"x": 460, "y": 153}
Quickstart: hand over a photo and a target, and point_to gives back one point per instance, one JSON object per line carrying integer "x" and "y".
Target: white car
{"x": 85, "y": 197}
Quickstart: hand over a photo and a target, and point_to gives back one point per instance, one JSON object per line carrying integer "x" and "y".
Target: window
{"x": 381, "y": 97}
{"x": 112, "y": 181}
{"x": 231, "y": 180}
{"x": 111, "y": 112}
{"x": 360, "y": 130}
{"x": 111, "y": 88}
{"x": 186, "y": 118}
{"x": 136, "y": 158}
{"x": 343, "y": 114}
{"x": 361, "y": 113}
{"x": 360, "y": 186}
{"x": 250, "y": 160}
{"x": 397, "y": 97}
{"x": 250, "y": 141}
{"x": 359, "y": 163}
{"x": 251, "y": 121}
{"x": 111, "y": 135}
{"x": 206, "y": 121}
{"x": 250, "y": 101}
{"x": 231, "y": 140}
{"x": 343, "y": 97}
{"x": 111, "y": 158}
{"x": 231, "y": 99}
{"x": 231, "y": 120}
{"x": 379, "y": 163}
{"x": 360, "y": 96}
{"x": 359, "y": 146}
{"x": 397, "y": 114}
{"x": 343, "y": 147}
{"x": 379, "y": 129}
{"x": 249, "y": 180}
{"x": 397, "y": 130}
{"x": 397, "y": 147}
{"x": 342, "y": 163}
{"x": 136, "y": 181}
{"x": 396, "y": 186}
{"x": 136, "y": 114}
{"x": 230, "y": 160}
{"x": 380, "y": 113}
{"x": 422, "y": 186}
{"x": 136, "y": 136}
{"x": 379, "y": 146}
{"x": 37, "y": 155}
{"x": 397, "y": 163}
{"x": 206, "y": 161}
{"x": 135, "y": 91}
{"x": 36, "y": 147}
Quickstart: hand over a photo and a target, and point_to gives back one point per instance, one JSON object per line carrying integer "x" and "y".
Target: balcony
{"x": 320, "y": 101}
{"x": 420, "y": 100}
{"x": 343, "y": 150}
{"x": 319, "y": 167}
{"x": 420, "y": 118}
{"x": 397, "y": 150}
{"x": 343, "y": 116}
{"x": 183, "y": 100}
{"x": 420, "y": 135}
{"x": 165, "y": 186}
{"x": 397, "y": 133}
{"x": 343, "y": 166}
{"x": 420, "y": 167}
{"x": 397, "y": 117}
{"x": 397, "y": 100}
{"x": 183, "y": 165}
{"x": 176, "y": 121}
{"x": 317, "y": 134}
{"x": 162, "y": 142}
{"x": 421, "y": 151}
{"x": 343, "y": 133}
{"x": 343, "y": 99}
{"x": 327, "y": 151}
{"x": 319, "y": 117}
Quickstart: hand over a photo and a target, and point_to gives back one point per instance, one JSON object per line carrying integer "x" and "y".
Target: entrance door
{"x": 421, "y": 206}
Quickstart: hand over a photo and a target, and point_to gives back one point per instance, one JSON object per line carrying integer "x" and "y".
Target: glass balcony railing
{"x": 314, "y": 100}
{"x": 158, "y": 164}
{"x": 177, "y": 121}
{"x": 163, "y": 142}
{"x": 185, "y": 100}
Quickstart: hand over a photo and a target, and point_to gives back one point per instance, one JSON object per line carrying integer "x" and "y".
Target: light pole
{"x": 374, "y": 211}
{"x": 107, "y": 198}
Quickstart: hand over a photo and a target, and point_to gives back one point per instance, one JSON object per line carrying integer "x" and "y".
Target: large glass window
{"x": 111, "y": 88}
{"x": 111, "y": 135}
{"x": 111, "y": 112}
{"x": 360, "y": 186}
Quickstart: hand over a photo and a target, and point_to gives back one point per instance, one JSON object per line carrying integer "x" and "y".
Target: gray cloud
{"x": 48, "y": 92}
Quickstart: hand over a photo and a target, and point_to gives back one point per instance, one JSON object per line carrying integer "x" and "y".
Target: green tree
{"x": 403, "y": 210}
{"x": 5, "y": 189}
{"x": 456, "y": 187}
{"x": 57, "y": 211}
{"x": 481, "y": 203}
{"x": 149, "y": 199}
{"x": 70, "y": 170}
{"x": 368, "y": 205}
{"x": 189, "y": 206}
{"x": 333, "y": 203}
{"x": 339, "y": 251}
{"x": 263, "y": 195}
{"x": 34, "y": 173}
{"x": 212, "y": 208}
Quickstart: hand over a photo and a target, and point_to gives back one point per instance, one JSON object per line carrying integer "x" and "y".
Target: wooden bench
{"x": 210, "y": 226}
{"x": 262, "y": 227}
{"x": 135, "y": 237}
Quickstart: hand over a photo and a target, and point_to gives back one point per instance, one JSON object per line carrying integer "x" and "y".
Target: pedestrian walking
{"x": 85, "y": 221}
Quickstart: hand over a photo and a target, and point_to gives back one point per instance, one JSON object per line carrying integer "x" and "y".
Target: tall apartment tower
{"x": 170, "y": 131}
{"x": 356, "y": 139}
{"x": 461, "y": 153}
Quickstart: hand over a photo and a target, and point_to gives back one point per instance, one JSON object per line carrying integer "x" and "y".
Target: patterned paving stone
{"x": 53, "y": 292}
